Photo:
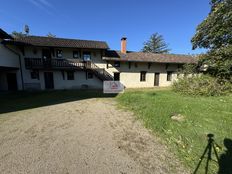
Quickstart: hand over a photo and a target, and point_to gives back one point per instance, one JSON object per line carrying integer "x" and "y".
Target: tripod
{"x": 208, "y": 150}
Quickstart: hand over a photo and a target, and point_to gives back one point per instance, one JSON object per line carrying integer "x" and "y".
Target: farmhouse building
{"x": 39, "y": 63}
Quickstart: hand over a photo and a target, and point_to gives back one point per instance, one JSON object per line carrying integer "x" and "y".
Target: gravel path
{"x": 86, "y": 136}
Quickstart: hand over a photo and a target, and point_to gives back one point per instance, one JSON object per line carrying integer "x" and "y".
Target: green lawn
{"x": 187, "y": 139}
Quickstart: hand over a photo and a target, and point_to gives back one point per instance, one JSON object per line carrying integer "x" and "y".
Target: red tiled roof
{"x": 149, "y": 57}
{"x": 59, "y": 42}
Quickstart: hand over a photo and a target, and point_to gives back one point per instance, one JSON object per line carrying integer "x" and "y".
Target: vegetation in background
{"x": 155, "y": 44}
{"x": 187, "y": 136}
{"x": 202, "y": 85}
{"x": 51, "y": 35}
{"x": 215, "y": 34}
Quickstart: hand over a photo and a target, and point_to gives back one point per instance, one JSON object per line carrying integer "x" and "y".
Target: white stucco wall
{"x": 130, "y": 77}
{"x": 8, "y": 58}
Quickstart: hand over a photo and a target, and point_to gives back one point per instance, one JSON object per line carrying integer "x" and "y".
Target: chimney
{"x": 123, "y": 45}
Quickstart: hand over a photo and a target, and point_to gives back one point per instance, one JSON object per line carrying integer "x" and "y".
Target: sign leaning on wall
{"x": 113, "y": 87}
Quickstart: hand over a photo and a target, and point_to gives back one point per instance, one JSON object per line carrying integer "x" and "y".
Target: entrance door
{"x": 48, "y": 79}
{"x": 116, "y": 76}
{"x": 157, "y": 77}
{"x": 12, "y": 81}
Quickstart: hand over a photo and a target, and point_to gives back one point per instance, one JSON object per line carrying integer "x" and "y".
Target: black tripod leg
{"x": 202, "y": 157}
{"x": 207, "y": 165}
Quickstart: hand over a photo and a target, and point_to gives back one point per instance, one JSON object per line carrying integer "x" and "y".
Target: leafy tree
{"x": 51, "y": 35}
{"x": 155, "y": 44}
{"x": 215, "y": 34}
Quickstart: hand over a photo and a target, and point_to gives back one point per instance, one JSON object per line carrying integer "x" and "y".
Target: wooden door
{"x": 48, "y": 80}
{"x": 156, "y": 80}
{"x": 12, "y": 81}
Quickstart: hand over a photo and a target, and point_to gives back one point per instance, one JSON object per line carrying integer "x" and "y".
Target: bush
{"x": 202, "y": 85}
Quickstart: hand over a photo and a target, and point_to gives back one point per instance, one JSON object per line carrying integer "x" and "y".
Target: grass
{"x": 187, "y": 138}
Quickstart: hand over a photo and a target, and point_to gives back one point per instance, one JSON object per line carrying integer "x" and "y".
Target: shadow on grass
{"x": 16, "y": 101}
{"x": 225, "y": 160}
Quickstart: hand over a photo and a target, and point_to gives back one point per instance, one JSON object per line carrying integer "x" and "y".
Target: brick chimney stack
{"x": 123, "y": 45}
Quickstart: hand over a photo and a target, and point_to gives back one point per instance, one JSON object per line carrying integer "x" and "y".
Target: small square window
{"x": 35, "y": 74}
{"x": 169, "y": 76}
{"x": 116, "y": 64}
{"x": 70, "y": 75}
{"x": 76, "y": 54}
{"x": 59, "y": 53}
{"x": 143, "y": 76}
{"x": 90, "y": 75}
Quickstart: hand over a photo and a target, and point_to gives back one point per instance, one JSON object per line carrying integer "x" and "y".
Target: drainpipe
{"x": 20, "y": 64}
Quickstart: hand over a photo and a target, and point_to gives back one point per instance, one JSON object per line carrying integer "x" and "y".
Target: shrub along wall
{"x": 203, "y": 85}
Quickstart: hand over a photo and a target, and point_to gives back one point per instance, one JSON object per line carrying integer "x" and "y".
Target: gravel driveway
{"x": 86, "y": 136}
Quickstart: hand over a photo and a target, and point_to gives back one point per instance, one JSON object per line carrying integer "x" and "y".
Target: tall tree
{"x": 215, "y": 34}
{"x": 155, "y": 44}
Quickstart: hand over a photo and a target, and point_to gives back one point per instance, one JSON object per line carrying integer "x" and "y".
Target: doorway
{"x": 46, "y": 56}
{"x": 156, "y": 80}
{"x": 12, "y": 81}
{"x": 116, "y": 76}
{"x": 48, "y": 80}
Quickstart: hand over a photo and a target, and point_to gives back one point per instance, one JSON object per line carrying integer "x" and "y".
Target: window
{"x": 143, "y": 76}
{"x": 116, "y": 76}
{"x": 116, "y": 64}
{"x": 76, "y": 54}
{"x": 89, "y": 75}
{"x": 70, "y": 75}
{"x": 35, "y": 74}
{"x": 169, "y": 76}
{"x": 86, "y": 56}
{"x": 59, "y": 53}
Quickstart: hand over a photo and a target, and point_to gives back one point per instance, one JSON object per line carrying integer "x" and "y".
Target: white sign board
{"x": 113, "y": 87}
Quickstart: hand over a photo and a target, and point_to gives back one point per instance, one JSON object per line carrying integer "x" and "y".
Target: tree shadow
{"x": 225, "y": 160}
{"x": 16, "y": 101}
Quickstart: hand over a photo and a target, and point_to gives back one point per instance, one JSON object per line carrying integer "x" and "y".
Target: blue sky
{"x": 109, "y": 20}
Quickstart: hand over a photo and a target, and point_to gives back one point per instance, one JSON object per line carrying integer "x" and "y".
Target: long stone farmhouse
{"x": 36, "y": 62}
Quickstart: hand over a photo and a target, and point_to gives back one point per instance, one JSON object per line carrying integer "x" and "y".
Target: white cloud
{"x": 42, "y": 4}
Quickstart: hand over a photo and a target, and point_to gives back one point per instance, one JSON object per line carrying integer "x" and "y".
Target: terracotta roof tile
{"x": 60, "y": 42}
{"x": 149, "y": 57}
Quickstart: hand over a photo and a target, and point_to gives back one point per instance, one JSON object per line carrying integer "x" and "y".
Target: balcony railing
{"x": 67, "y": 64}
{"x": 39, "y": 63}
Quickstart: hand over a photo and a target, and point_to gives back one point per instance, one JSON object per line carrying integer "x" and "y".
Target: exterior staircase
{"x": 101, "y": 73}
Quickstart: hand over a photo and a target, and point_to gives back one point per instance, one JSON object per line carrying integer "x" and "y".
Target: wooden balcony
{"x": 59, "y": 64}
